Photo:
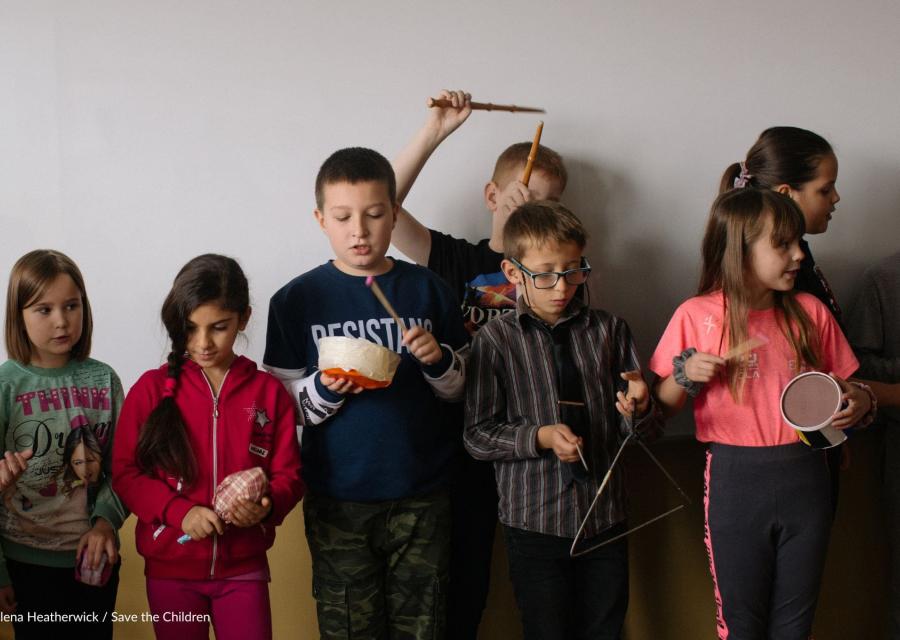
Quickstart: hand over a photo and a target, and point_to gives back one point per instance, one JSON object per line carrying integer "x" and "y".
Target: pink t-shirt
{"x": 757, "y": 421}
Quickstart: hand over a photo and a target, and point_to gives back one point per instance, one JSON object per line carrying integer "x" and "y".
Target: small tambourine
{"x": 365, "y": 363}
{"x": 808, "y": 403}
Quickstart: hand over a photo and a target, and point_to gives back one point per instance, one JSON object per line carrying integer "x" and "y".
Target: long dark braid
{"x": 163, "y": 442}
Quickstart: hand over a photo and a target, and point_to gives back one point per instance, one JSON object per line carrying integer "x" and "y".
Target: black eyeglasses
{"x": 548, "y": 279}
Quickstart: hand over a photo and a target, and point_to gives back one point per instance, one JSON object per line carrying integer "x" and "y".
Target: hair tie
{"x": 744, "y": 178}
{"x": 169, "y": 388}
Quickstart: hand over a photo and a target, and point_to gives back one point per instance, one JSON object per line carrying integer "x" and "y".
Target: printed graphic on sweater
{"x": 473, "y": 271}
{"x": 487, "y": 297}
{"x": 263, "y": 434}
{"x": 382, "y": 331}
{"x": 46, "y": 508}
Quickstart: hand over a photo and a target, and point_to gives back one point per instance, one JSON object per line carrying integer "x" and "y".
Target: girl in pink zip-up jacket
{"x": 184, "y": 427}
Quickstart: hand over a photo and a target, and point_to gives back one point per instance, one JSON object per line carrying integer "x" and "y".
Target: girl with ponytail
{"x": 205, "y": 415}
{"x": 733, "y": 348}
{"x": 802, "y": 165}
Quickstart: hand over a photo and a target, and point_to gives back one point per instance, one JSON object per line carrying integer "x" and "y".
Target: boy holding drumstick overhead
{"x": 474, "y": 273}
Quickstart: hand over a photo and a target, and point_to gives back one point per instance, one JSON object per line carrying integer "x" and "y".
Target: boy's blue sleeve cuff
{"x": 327, "y": 394}
{"x": 440, "y": 367}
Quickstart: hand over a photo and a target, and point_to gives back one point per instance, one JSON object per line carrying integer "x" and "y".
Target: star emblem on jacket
{"x": 262, "y": 419}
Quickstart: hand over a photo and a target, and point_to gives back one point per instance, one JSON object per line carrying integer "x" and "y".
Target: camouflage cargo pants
{"x": 379, "y": 570}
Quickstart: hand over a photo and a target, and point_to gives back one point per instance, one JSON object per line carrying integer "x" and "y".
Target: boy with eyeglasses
{"x": 544, "y": 387}
{"x": 473, "y": 272}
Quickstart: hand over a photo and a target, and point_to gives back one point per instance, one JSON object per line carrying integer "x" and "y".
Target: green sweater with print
{"x": 42, "y": 517}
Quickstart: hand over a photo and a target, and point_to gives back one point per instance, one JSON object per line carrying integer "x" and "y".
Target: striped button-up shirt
{"x": 511, "y": 392}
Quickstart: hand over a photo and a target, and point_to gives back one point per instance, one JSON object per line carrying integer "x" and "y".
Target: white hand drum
{"x": 367, "y": 364}
{"x": 807, "y": 404}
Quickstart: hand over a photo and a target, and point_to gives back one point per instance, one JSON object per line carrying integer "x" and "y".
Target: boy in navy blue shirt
{"x": 376, "y": 462}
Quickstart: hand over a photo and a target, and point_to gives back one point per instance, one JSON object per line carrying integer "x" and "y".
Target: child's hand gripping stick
{"x": 632, "y": 397}
{"x": 692, "y": 369}
{"x": 571, "y": 403}
{"x": 485, "y": 106}
{"x": 421, "y": 343}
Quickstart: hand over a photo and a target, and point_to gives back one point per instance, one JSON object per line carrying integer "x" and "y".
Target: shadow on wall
{"x": 862, "y": 231}
{"x": 633, "y": 270}
{"x": 633, "y": 273}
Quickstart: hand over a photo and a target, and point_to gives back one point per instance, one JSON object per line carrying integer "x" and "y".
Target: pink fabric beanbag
{"x": 249, "y": 484}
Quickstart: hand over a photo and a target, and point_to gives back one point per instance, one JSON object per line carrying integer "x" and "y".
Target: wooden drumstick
{"x": 745, "y": 347}
{"x": 573, "y": 403}
{"x": 581, "y": 455}
{"x": 526, "y": 176}
{"x": 370, "y": 282}
{"x": 485, "y": 106}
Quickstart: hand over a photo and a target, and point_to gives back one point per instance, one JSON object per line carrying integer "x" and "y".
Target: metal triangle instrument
{"x": 631, "y": 437}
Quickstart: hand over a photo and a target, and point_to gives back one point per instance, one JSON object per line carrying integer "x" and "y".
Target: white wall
{"x": 135, "y": 135}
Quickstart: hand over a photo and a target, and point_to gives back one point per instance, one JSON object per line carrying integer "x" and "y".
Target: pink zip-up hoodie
{"x": 250, "y": 424}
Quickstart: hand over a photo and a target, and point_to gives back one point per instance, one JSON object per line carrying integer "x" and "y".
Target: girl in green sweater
{"x": 48, "y": 388}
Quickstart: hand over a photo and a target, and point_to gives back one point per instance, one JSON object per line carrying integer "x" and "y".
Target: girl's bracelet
{"x": 869, "y": 418}
{"x": 692, "y": 387}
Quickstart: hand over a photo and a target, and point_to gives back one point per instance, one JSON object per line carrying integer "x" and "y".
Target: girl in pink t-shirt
{"x": 768, "y": 504}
